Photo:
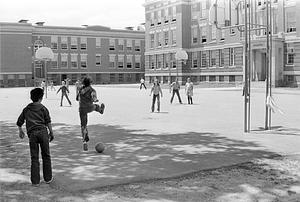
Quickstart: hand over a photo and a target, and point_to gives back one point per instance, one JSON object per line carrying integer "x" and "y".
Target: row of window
{"x": 163, "y": 16}
{"x": 163, "y": 38}
{"x": 81, "y": 44}
{"x": 81, "y": 61}
{"x": 202, "y": 59}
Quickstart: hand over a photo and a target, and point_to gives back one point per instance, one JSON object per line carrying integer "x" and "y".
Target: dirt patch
{"x": 262, "y": 180}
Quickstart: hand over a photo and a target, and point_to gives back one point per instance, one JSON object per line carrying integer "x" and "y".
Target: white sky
{"x": 111, "y": 13}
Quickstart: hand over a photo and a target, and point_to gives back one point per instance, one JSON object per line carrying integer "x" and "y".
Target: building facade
{"x": 217, "y": 55}
{"x": 107, "y": 55}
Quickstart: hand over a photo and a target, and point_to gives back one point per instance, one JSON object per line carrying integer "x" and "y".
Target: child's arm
{"x": 160, "y": 91}
{"x": 51, "y": 136}
{"x": 68, "y": 90}
{"x": 151, "y": 91}
{"x": 58, "y": 90}
{"x": 20, "y": 122}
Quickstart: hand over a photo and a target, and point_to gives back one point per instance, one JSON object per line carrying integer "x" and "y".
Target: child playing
{"x": 64, "y": 93}
{"x": 189, "y": 90}
{"x": 86, "y": 97}
{"x": 156, "y": 90}
{"x": 37, "y": 120}
{"x": 175, "y": 86}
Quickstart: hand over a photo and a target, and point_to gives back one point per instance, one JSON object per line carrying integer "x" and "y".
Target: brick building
{"x": 107, "y": 55}
{"x": 217, "y": 55}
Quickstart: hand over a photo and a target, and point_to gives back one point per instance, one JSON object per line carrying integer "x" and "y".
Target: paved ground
{"x": 142, "y": 145}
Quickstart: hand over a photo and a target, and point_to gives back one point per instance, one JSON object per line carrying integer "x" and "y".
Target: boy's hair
{"x": 86, "y": 81}
{"x": 36, "y": 94}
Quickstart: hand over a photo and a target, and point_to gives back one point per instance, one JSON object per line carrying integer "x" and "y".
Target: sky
{"x": 74, "y": 13}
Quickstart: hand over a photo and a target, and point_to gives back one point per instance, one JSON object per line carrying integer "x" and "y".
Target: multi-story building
{"x": 217, "y": 55}
{"x": 107, "y": 55}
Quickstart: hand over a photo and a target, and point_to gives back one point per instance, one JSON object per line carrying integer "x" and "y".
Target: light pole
{"x": 45, "y": 54}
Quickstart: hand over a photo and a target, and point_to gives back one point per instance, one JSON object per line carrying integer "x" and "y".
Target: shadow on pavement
{"x": 127, "y": 158}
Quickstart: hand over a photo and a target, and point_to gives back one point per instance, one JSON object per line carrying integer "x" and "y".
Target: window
{"x": 121, "y": 44}
{"x": 203, "y": 34}
{"x": 137, "y": 61}
{"x": 83, "y": 43}
{"x": 290, "y": 54}
{"x": 222, "y": 37}
{"x": 167, "y": 61}
{"x": 213, "y": 32}
{"x": 212, "y": 57}
{"x": 203, "y": 9}
{"x": 98, "y": 60}
{"x": 232, "y": 30}
{"x": 83, "y": 61}
{"x": 73, "y": 43}
{"x": 64, "y": 43}
{"x": 137, "y": 45}
{"x": 151, "y": 40}
{"x": 129, "y": 45}
{"x": 121, "y": 77}
{"x": 194, "y": 35}
{"x": 202, "y": 78}
{"x": 64, "y": 61}
{"x": 203, "y": 59}
{"x": 74, "y": 61}
{"x": 158, "y": 39}
{"x": 129, "y": 61}
{"x": 221, "y": 58}
{"x": 112, "y": 77}
{"x": 159, "y": 61}
{"x": 174, "y": 14}
{"x": 159, "y": 17}
{"x": 221, "y": 78}
{"x": 231, "y": 78}
{"x": 212, "y": 78}
{"x": 54, "y": 61}
{"x": 194, "y": 60}
{"x": 166, "y": 15}
{"x": 173, "y": 60}
{"x": 98, "y": 42}
{"x": 291, "y": 21}
{"x": 231, "y": 56}
{"x": 152, "y": 19}
{"x": 173, "y": 35}
{"x": 151, "y": 61}
{"x": 112, "y": 59}
{"x": 120, "y": 61}
{"x": 166, "y": 36}
{"x": 111, "y": 44}
{"x": 54, "y": 42}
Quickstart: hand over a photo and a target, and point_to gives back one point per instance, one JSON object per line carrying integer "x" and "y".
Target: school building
{"x": 107, "y": 55}
{"x": 217, "y": 55}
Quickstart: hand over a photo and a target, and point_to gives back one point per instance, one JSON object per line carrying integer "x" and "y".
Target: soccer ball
{"x": 99, "y": 147}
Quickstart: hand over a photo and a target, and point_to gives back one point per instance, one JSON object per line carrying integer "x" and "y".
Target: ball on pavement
{"x": 99, "y": 147}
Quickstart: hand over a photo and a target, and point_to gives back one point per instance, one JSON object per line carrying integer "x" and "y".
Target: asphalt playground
{"x": 141, "y": 145}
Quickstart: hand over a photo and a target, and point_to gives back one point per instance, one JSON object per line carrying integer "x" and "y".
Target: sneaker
{"x": 85, "y": 146}
{"x": 48, "y": 182}
{"x": 35, "y": 185}
{"x": 102, "y": 107}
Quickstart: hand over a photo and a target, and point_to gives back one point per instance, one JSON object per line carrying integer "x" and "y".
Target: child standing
{"x": 64, "y": 93}
{"x": 86, "y": 97}
{"x": 37, "y": 120}
{"x": 175, "y": 86}
{"x": 156, "y": 90}
{"x": 189, "y": 88}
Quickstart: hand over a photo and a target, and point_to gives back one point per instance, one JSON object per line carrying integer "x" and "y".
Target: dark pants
{"x": 62, "y": 97}
{"x": 40, "y": 138}
{"x": 190, "y": 99}
{"x": 83, "y": 114}
{"x": 142, "y": 84}
{"x": 177, "y": 93}
{"x": 153, "y": 102}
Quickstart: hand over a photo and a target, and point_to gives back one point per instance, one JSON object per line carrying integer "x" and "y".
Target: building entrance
{"x": 258, "y": 72}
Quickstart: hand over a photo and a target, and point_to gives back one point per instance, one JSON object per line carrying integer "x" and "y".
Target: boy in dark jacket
{"x": 86, "y": 97}
{"x": 37, "y": 120}
{"x": 64, "y": 93}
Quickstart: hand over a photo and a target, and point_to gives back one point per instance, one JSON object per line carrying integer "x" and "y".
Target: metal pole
{"x": 246, "y": 72}
{"x": 46, "y": 80}
{"x": 267, "y": 70}
{"x": 249, "y": 64}
{"x": 271, "y": 53}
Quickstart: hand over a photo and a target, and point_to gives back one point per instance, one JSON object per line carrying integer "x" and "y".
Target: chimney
{"x": 23, "y": 21}
{"x": 39, "y": 23}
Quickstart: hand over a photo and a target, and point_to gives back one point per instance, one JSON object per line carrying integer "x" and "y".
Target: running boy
{"x": 64, "y": 93}
{"x": 86, "y": 97}
{"x": 37, "y": 120}
{"x": 156, "y": 90}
